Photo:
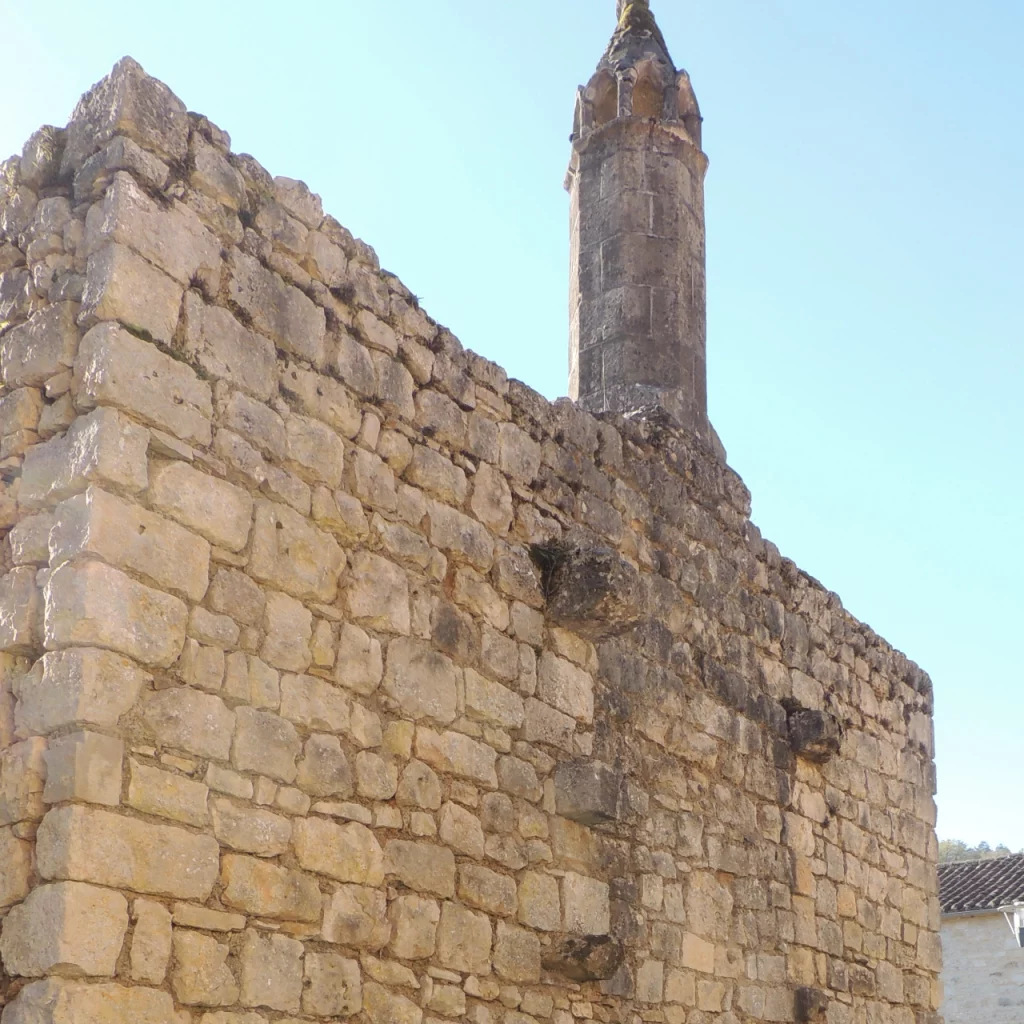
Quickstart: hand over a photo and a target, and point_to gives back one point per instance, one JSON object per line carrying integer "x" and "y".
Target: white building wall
{"x": 983, "y": 971}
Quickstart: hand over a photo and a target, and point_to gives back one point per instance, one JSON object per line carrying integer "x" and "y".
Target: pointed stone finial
{"x": 636, "y": 33}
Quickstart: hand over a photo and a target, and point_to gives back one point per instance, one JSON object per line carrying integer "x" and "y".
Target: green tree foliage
{"x": 956, "y": 849}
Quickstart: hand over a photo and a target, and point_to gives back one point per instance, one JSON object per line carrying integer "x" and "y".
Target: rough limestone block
{"x": 414, "y": 921}
{"x": 70, "y": 926}
{"x": 173, "y": 239}
{"x": 584, "y": 958}
{"x": 259, "y": 887}
{"x": 80, "y": 686}
{"x": 103, "y": 448}
{"x": 289, "y": 629}
{"x": 214, "y": 508}
{"x": 378, "y": 594}
{"x": 347, "y": 853}
{"x": 314, "y": 450}
{"x": 16, "y": 857}
{"x": 116, "y": 368}
{"x": 592, "y": 590}
{"x": 22, "y": 778}
{"x": 566, "y": 687}
{"x": 422, "y": 867}
{"x": 266, "y": 743}
{"x": 93, "y": 605}
{"x": 198, "y": 723}
{"x": 359, "y": 664}
{"x": 382, "y": 1006}
{"x": 333, "y": 986}
{"x": 151, "y": 942}
{"x": 585, "y": 905}
{"x": 292, "y": 555}
{"x": 84, "y": 766}
{"x": 39, "y": 349}
{"x": 491, "y": 702}
{"x": 540, "y": 904}
{"x": 814, "y": 735}
{"x": 122, "y": 286}
{"x": 487, "y": 890}
{"x": 421, "y": 681}
{"x": 127, "y": 102}
{"x": 20, "y": 608}
{"x": 464, "y": 940}
{"x": 281, "y": 312}
{"x": 355, "y": 916}
{"x": 457, "y": 754}
{"x": 56, "y": 1001}
{"x": 462, "y": 831}
{"x": 516, "y": 954}
{"x": 166, "y": 795}
{"x": 89, "y": 845}
{"x": 201, "y": 975}
{"x": 120, "y": 154}
{"x": 271, "y": 971}
{"x": 249, "y": 829}
{"x": 19, "y": 411}
{"x": 588, "y": 791}
{"x": 30, "y": 540}
{"x": 227, "y": 350}
{"x": 130, "y": 537}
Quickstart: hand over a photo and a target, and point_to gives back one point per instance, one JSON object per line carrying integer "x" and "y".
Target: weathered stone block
{"x": 588, "y": 791}
{"x": 116, "y": 368}
{"x": 462, "y": 831}
{"x": 170, "y": 237}
{"x": 219, "y": 511}
{"x": 487, "y": 890}
{"x": 267, "y": 890}
{"x": 56, "y": 1001}
{"x": 291, "y": 554}
{"x": 74, "y": 927}
{"x": 88, "y": 845}
{"x": 491, "y": 702}
{"x": 120, "y": 154}
{"x": 333, "y": 986}
{"x": 585, "y": 905}
{"x": 414, "y": 921}
{"x": 183, "y": 719}
{"x": 355, "y": 916}
{"x": 289, "y": 629}
{"x": 422, "y": 682}
{"x": 347, "y": 853}
{"x": 462, "y": 537}
{"x": 592, "y": 590}
{"x": 359, "y": 664}
{"x": 265, "y": 743}
{"x": 589, "y": 958}
{"x": 16, "y": 857}
{"x": 271, "y": 971}
{"x": 539, "y": 901}
{"x": 130, "y": 537}
{"x": 566, "y": 687}
{"x": 421, "y": 866}
{"x": 516, "y": 954}
{"x": 80, "y": 686}
{"x": 457, "y": 754}
{"x": 464, "y": 940}
{"x": 84, "y": 766}
{"x": 377, "y": 594}
{"x": 315, "y": 704}
{"x": 814, "y": 735}
{"x": 281, "y": 312}
{"x": 103, "y": 448}
{"x": 201, "y": 975}
{"x": 384, "y": 1007}
{"x": 151, "y": 942}
{"x": 20, "y": 610}
{"x": 324, "y": 769}
{"x": 30, "y": 540}
{"x": 250, "y": 829}
{"x": 22, "y": 778}
{"x": 127, "y": 102}
{"x": 121, "y": 286}
{"x": 314, "y": 450}
{"x": 93, "y": 605}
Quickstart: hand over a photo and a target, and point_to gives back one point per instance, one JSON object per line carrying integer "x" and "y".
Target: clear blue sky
{"x": 865, "y": 278}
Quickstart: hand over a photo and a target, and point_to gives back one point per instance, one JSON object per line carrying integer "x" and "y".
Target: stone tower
{"x": 638, "y": 321}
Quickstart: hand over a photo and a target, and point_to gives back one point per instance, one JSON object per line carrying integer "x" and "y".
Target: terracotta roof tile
{"x": 981, "y": 884}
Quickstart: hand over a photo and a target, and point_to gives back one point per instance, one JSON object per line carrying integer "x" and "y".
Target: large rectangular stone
{"x": 132, "y": 538}
{"x": 88, "y": 845}
{"x": 20, "y": 608}
{"x": 184, "y": 719}
{"x": 258, "y": 887}
{"x": 120, "y": 285}
{"x": 457, "y": 754}
{"x": 280, "y": 311}
{"x": 116, "y": 368}
{"x": 16, "y": 857}
{"x": 171, "y": 238}
{"x": 214, "y": 508}
{"x": 33, "y": 352}
{"x": 103, "y": 448}
{"x": 79, "y": 686}
{"x": 90, "y": 604}
{"x": 166, "y": 795}
{"x": 57, "y": 1001}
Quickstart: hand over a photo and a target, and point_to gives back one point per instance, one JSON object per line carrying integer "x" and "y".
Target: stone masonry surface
{"x": 300, "y": 716}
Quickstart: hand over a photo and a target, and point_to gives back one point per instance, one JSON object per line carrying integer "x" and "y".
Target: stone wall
{"x": 344, "y": 676}
{"x": 982, "y": 972}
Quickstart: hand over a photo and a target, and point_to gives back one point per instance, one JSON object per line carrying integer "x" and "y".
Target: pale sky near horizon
{"x": 865, "y": 268}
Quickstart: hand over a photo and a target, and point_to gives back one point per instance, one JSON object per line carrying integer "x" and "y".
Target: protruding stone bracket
{"x": 589, "y": 792}
{"x": 814, "y": 735}
{"x": 811, "y": 1006}
{"x": 584, "y": 957}
{"x": 591, "y": 590}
